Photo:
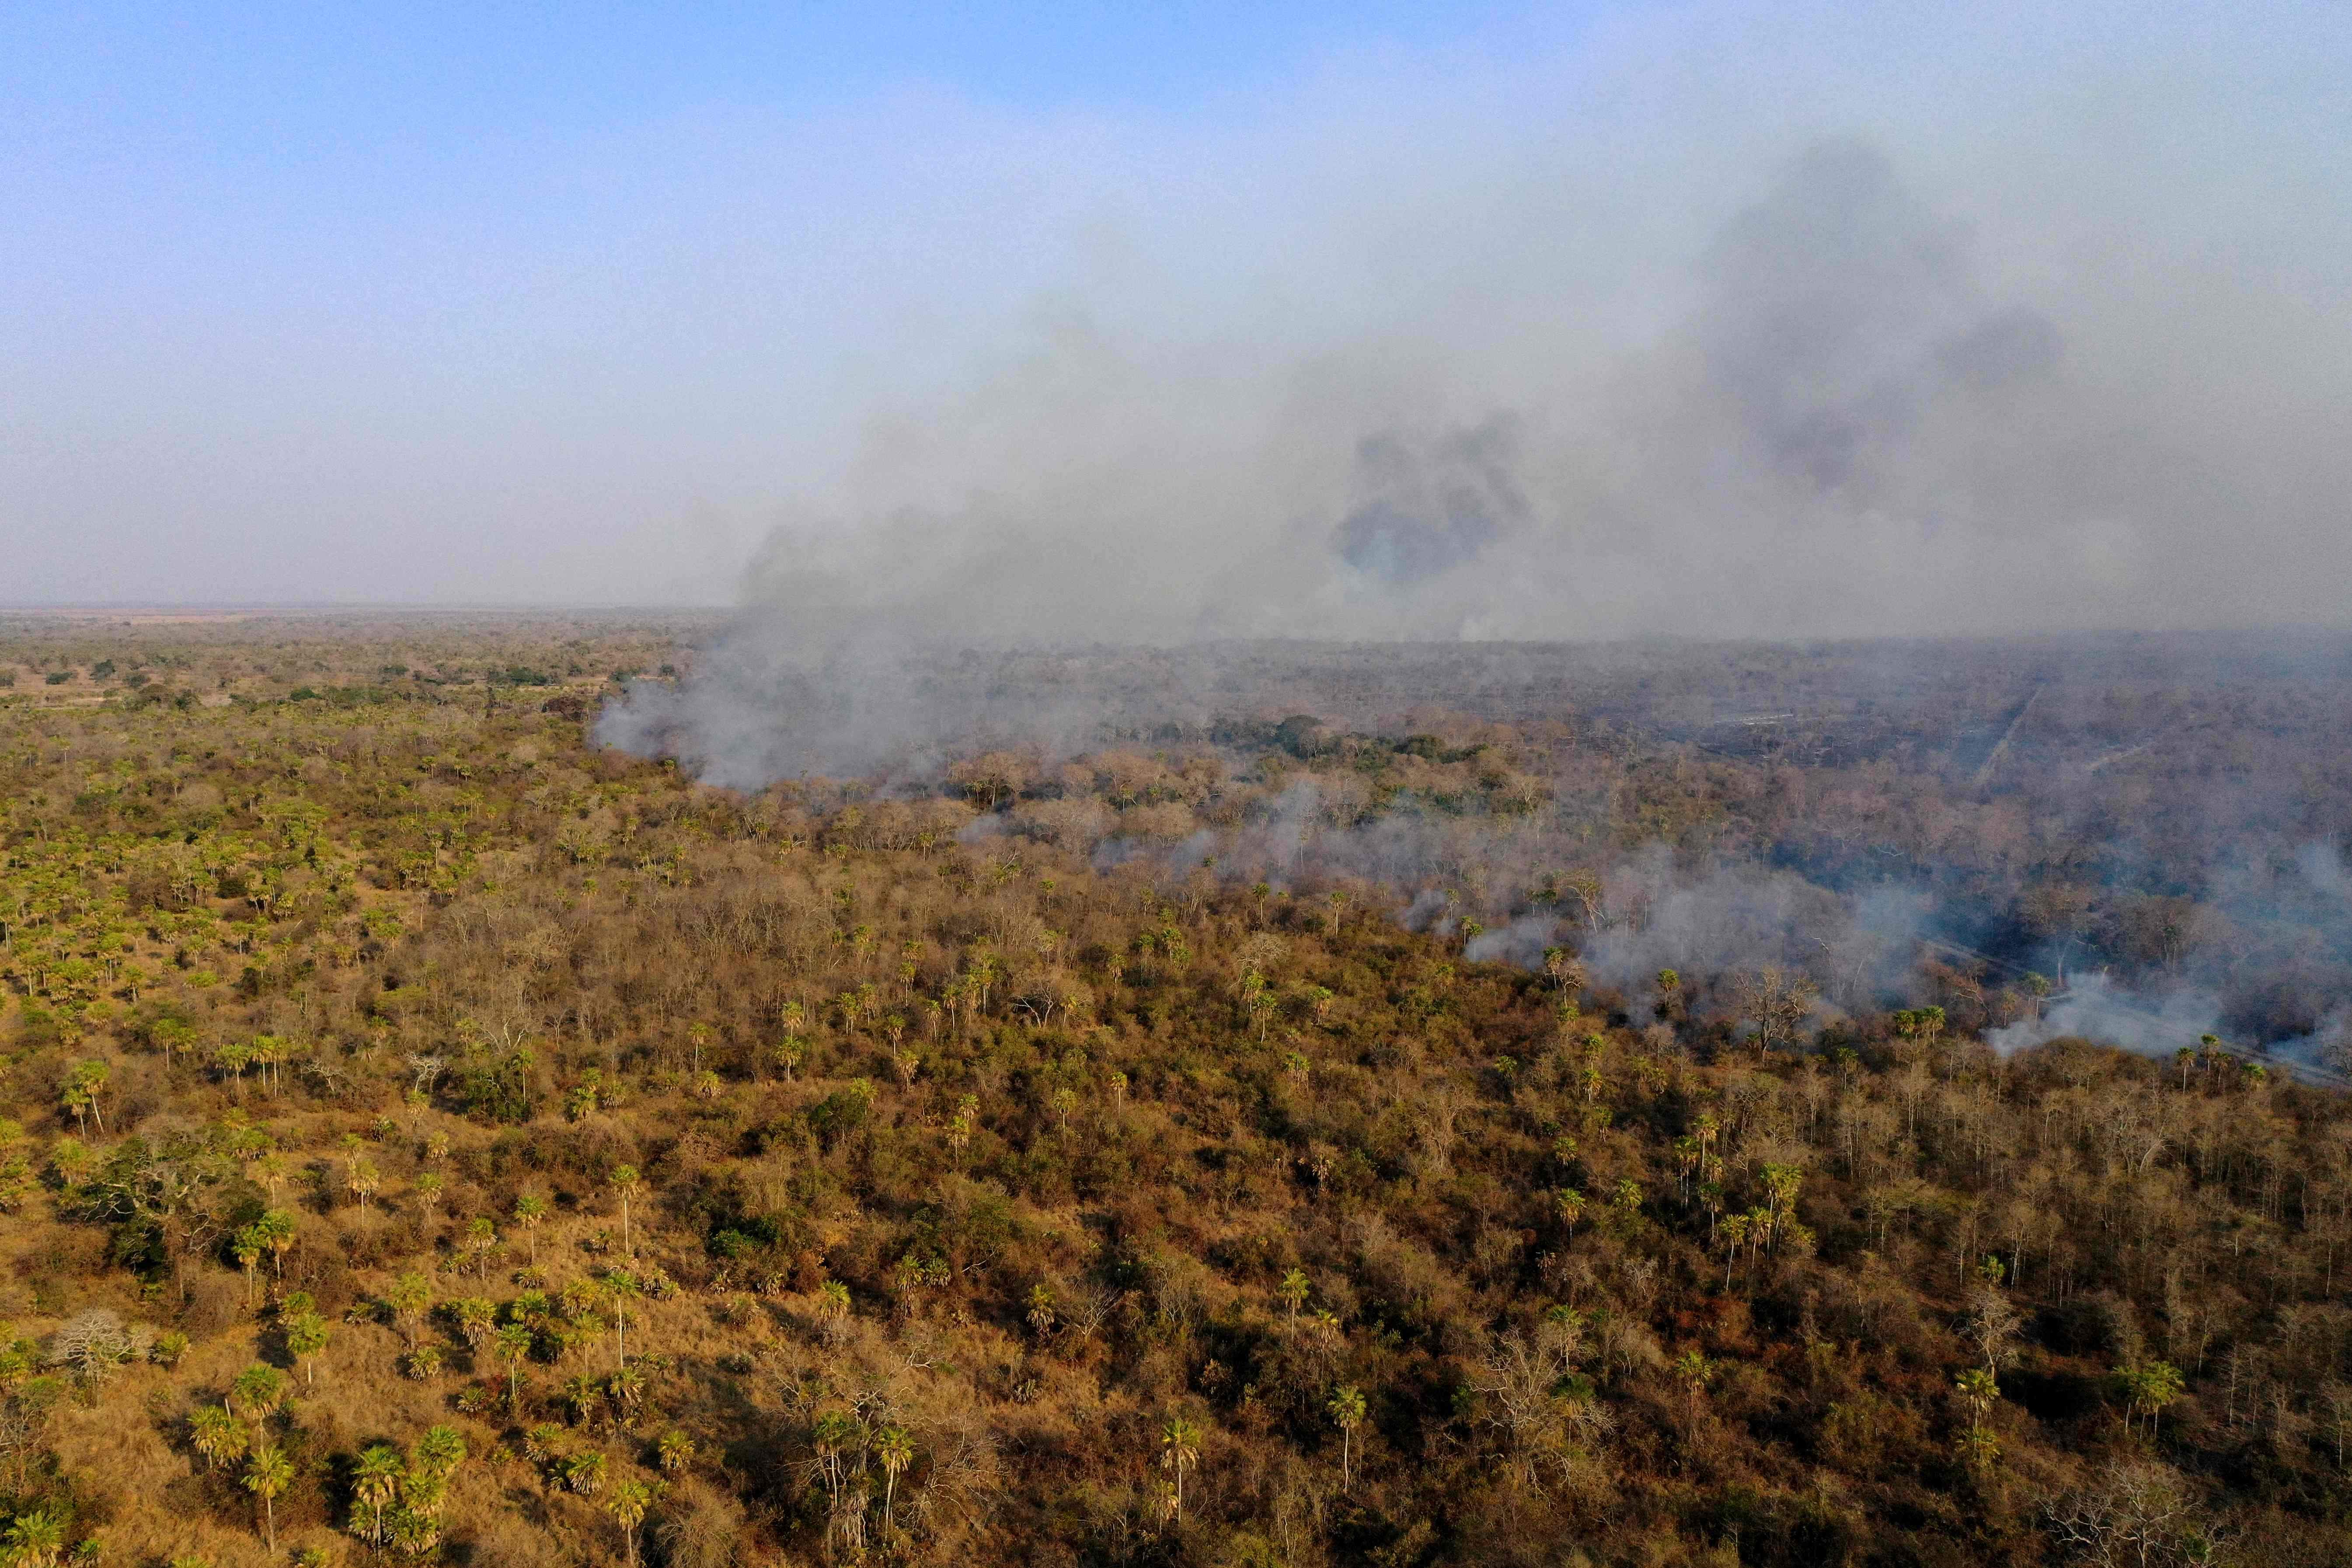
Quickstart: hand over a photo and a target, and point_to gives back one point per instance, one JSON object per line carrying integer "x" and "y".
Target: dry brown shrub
{"x": 697, "y": 1527}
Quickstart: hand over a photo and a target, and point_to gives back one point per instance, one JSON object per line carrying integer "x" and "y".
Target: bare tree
{"x": 1777, "y": 1001}
{"x": 2138, "y": 1515}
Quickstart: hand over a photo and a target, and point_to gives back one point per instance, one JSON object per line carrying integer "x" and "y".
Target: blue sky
{"x": 447, "y": 303}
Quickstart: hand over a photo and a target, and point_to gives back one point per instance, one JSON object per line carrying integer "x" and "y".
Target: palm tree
{"x": 415, "y": 1532}
{"x": 410, "y": 1297}
{"x": 439, "y": 1452}
{"x": 620, "y": 1285}
{"x": 624, "y": 1388}
{"x": 375, "y": 1483}
{"x": 475, "y": 1316}
{"x": 276, "y": 1230}
{"x": 272, "y": 1168}
{"x": 218, "y": 1435}
{"x": 268, "y": 1473}
{"x": 1180, "y": 1444}
{"x": 1346, "y": 1408}
{"x": 627, "y": 1506}
{"x": 838, "y": 1436}
{"x": 895, "y": 1446}
{"x": 529, "y": 1211}
{"x": 423, "y": 1493}
{"x": 305, "y": 1336}
{"x": 37, "y": 1539}
{"x": 1570, "y": 1205}
{"x": 246, "y": 1247}
{"x": 584, "y": 1473}
{"x": 1978, "y": 1391}
{"x": 514, "y": 1343}
{"x": 259, "y": 1389}
{"x": 361, "y": 1179}
{"x": 1693, "y": 1371}
{"x": 624, "y": 1181}
{"x": 583, "y": 1394}
{"x": 482, "y": 1238}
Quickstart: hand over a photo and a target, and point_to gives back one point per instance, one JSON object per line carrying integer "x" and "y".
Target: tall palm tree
{"x": 627, "y": 1506}
{"x": 514, "y": 1343}
{"x": 529, "y": 1211}
{"x": 1180, "y": 1445}
{"x": 268, "y": 1473}
{"x": 620, "y": 1285}
{"x": 624, "y": 1181}
{"x": 1346, "y": 1408}
{"x": 895, "y": 1446}
{"x": 219, "y": 1436}
{"x": 258, "y": 1389}
{"x": 439, "y": 1452}
{"x": 305, "y": 1336}
{"x": 375, "y": 1484}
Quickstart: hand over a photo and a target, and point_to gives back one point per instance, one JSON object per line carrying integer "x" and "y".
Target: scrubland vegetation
{"x": 430, "y": 1136}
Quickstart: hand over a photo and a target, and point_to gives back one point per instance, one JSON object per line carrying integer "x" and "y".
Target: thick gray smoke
{"x": 1844, "y": 318}
{"x": 1858, "y": 424}
{"x": 1881, "y": 383}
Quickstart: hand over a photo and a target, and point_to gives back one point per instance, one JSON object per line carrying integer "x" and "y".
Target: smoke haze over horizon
{"x": 1845, "y": 320}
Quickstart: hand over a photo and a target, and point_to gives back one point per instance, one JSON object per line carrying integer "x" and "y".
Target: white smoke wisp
{"x": 1717, "y": 925}
{"x": 2093, "y": 1007}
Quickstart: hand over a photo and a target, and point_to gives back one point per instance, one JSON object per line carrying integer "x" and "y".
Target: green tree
{"x": 83, "y": 1088}
{"x": 361, "y": 1179}
{"x": 438, "y": 1453}
{"x": 376, "y": 1487}
{"x": 895, "y": 1448}
{"x": 36, "y": 1538}
{"x": 627, "y": 1506}
{"x": 1346, "y": 1408}
{"x": 1978, "y": 1391}
{"x": 410, "y": 1297}
{"x": 620, "y": 1285}
{"x": 624, "y": 1181}
{"x": 1693, "y": 1371}
{"x": 2147, "y": 1389}
{"x": 268, "y": 1475}
{"x": 258, "y": 1390}
{"x": 1179, "y": 1451}
{"x": 514, "y": 1343}
{"x": 217, "y": 1435}
{"x": 277, "y": 1233}
{"x": 307, "y": 1336}
{"x": 246, "y": 1247}
{"x": 530, "y": 1212}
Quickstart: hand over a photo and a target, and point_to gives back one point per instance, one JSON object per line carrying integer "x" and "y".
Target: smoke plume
{"x": 2030, "y": 373}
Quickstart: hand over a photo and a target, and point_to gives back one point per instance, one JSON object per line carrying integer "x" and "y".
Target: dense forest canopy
{"x": 1302, "y": 1105}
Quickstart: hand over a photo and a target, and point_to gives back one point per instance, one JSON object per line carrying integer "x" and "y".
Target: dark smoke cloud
{"x": 1840, "y": 312}
{"x": 1431, "y": 505}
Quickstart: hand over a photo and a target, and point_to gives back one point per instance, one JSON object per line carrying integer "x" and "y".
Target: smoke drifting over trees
{"x": 1852, "y": 425}
{"x": 1880, "y": 382}
{"x": 1863, "y": 413}
{"x": 2137, "y": 838}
